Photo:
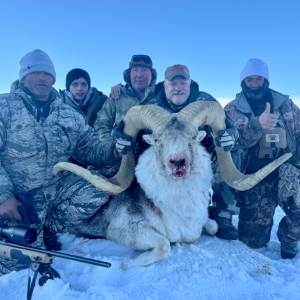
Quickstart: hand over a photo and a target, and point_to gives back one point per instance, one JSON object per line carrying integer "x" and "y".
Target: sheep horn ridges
{"x": 137, "y": 118}
{"x": 212, "y": 114}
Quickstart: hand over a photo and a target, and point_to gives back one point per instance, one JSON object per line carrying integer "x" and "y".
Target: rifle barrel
{"x": 61, "y": 255}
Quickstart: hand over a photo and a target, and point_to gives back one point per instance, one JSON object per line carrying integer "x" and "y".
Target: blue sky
{"x": 213, "y": 38}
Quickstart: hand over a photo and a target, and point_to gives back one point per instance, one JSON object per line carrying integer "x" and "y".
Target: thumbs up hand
{"x": 268, "y": 120}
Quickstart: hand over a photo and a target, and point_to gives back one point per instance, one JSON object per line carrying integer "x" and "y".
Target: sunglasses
{"x": 140, "y": 57}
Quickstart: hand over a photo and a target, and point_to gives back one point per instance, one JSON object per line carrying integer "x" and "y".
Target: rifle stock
{"x": 18, "y": 251}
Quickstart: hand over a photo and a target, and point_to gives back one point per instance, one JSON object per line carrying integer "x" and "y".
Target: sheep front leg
{"x": 146, "y": 240}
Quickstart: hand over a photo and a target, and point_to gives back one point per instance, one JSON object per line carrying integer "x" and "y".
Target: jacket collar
{"x": 149, "y": 91}
{"x": 194, "y": 88}
{"x": 161, "y": 99}
{"x": 242, "y": 104}
{"x": 88, "y": 95}
{"x": 15, "y": 89}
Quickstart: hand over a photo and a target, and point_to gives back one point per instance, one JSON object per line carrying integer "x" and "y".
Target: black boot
{"x": 289, "y": 250}
{"x": 226, "y": 229}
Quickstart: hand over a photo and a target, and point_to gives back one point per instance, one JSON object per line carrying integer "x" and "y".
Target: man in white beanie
{"x": 37, "y": 131}
{"x": 269, "y": 124}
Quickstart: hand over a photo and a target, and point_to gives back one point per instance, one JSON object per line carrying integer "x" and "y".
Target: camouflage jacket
{"x": 96, "y": 102}
{"x": 30, "y": 149}
{"x": 114, "y": 110}
{"x": 239, "y": 111}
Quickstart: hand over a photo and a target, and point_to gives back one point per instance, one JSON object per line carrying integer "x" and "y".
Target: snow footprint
{"x": 215, "y": 271}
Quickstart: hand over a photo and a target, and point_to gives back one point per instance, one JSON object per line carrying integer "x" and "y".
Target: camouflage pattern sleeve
{"x": 106, "y": 120}
{"x": 249, "y": 129}
{"x": 296, "y": 115}
{"x": 90, "y": 150}
{"x": 6, "y": 186}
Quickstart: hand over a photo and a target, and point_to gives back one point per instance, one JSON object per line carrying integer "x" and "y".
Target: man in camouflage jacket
{"x": 139, "y": 90}
{"x": 140, "y": 80}
{"x": 37, "y": 131}
{"x": 255, "y": 109}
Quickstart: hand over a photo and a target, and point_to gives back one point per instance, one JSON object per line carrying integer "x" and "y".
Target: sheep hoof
{"x": 211, "y": 226}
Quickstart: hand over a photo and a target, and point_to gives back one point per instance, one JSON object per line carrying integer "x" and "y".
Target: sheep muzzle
{"x": 178, "y": 165}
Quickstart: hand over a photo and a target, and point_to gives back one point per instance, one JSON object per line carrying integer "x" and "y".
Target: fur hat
{"x": 143, "y": 64}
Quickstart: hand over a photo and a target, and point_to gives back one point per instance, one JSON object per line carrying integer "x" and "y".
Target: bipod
{"x": 34, "y": 266}
{"x": 45, "y": 270}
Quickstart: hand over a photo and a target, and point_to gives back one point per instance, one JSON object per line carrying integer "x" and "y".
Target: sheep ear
{"x": 200, "y": 136}
{"x": 149, "y": 139}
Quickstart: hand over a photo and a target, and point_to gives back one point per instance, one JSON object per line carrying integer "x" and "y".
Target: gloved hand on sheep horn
{"x": 150, "y": 116}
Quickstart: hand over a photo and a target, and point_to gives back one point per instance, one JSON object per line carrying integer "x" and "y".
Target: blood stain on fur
{"x": 207, "y": 200}
{"x": 204, "y": 120}
{"x": 156, "y": 210}
{"x": 109, "y": 193}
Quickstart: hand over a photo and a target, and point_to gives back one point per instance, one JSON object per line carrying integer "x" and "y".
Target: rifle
{"x": 13, "y": 242}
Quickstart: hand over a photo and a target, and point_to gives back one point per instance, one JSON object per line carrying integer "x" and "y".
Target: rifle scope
{"x": 18, "y": 234}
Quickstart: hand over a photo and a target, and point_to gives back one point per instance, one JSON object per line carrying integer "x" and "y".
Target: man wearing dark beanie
{"x": 81, "y": 96}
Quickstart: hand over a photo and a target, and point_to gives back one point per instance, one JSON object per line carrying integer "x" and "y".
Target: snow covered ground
{"x": 209, "y": 269}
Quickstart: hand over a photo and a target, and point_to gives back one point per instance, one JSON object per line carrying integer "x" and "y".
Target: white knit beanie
{"x": 255, "y": 67}
{"x": 36, "y": 61}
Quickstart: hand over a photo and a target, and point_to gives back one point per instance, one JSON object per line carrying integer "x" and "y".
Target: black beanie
{"x": 76, "y": 74}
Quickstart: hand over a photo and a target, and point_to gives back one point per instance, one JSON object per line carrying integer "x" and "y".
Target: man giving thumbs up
{"x": 257, "y": 109}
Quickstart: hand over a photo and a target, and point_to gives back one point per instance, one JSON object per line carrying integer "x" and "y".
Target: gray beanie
{"x": 36, "y": 61}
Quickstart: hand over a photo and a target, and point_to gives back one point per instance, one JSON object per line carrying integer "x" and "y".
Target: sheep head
{"x": 176, "y": 148}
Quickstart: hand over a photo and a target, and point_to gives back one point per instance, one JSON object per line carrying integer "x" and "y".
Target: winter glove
{"x": 227, "y": 138}
{"x": 123, "y": 142}
{"x": 208, "y": 142}
{"x": 141, "y": 145}
{"x": 27, "y": 210}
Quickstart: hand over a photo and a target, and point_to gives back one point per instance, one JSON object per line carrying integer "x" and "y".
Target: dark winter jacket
{"x": 95, "y": 103}
{"x": 195, "y": 95}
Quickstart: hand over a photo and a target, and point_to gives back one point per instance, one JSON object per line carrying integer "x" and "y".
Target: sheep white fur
{"x": 161, "y": 209}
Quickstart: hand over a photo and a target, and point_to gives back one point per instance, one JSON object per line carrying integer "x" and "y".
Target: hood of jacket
{"x": 242, "y": 104}
{"x": 94, "y": 93}
{"x": 161, "y": 100}
{"x": 126, "y": 91}
{"x": 15, "y": 86}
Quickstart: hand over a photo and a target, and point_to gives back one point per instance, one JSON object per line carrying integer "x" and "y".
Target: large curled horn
{"x": 137, "y": 118}
{"x": 212, "y": 114}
